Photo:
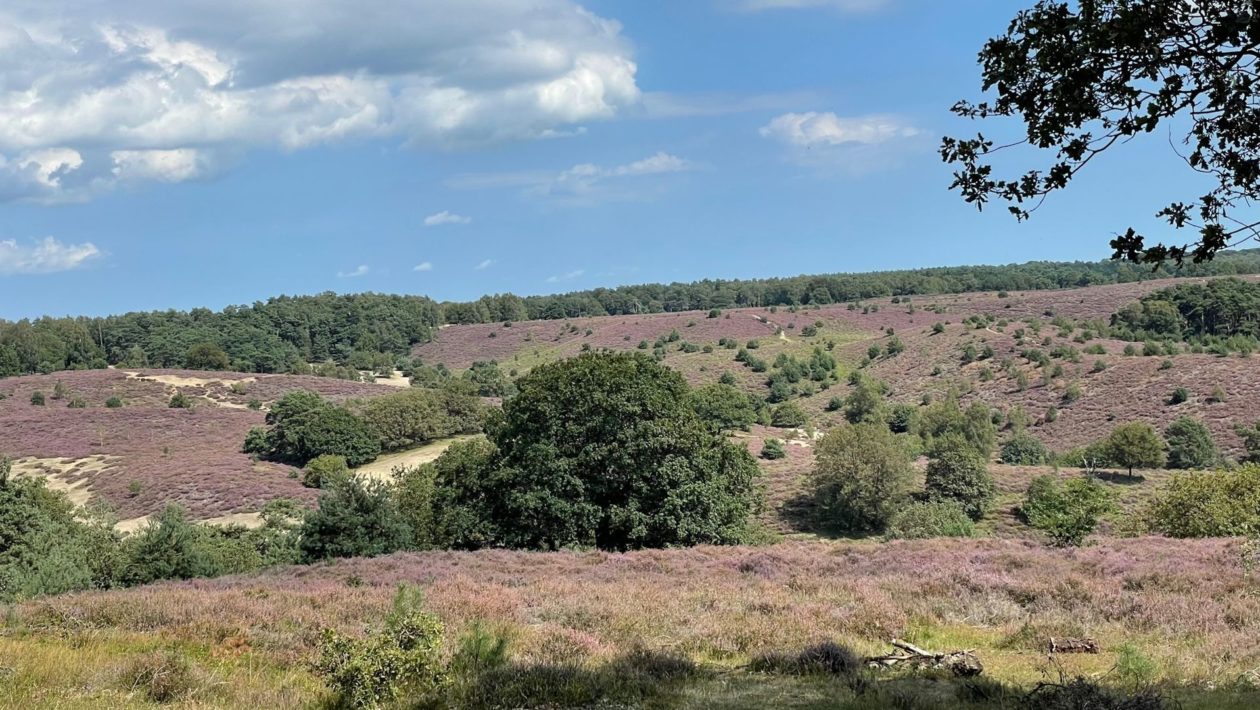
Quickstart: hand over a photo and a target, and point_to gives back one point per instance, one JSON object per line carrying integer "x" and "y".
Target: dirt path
{"x": 382, "y": 468}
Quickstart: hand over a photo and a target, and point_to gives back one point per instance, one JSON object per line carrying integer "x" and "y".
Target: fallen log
{"x": 963, "y": 664}
{"x": 1071, "y": 645}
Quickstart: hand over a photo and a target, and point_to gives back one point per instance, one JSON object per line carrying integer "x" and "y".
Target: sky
{"x": 163, "y": 154}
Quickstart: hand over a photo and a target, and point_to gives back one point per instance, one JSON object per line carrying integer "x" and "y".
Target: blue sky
{"x": 208, "y": 152}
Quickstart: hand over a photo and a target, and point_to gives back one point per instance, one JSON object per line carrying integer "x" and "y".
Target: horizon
{"x": 502, "y": 147}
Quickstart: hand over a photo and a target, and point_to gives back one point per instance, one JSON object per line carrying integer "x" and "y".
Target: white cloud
{"x": 841, "y": 5}
{"x": 153, "y": 89}
{"x": 360, "y": 270}
{"x": 484, "y": 265}
{"x": 445, "y": 217}
{"x": 424, "y": 266}
{"x": 566, "y": 277}
{"x": 812, "y": 129}
{"x": 584, "y": 183}
{"x": 44, "y": 257}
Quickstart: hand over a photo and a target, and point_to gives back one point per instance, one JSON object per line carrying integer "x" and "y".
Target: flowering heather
{"x": 1181, "y": 601}
{"x": 191, "y": 457}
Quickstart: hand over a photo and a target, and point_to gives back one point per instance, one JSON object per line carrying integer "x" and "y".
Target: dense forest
{"x": 1226, "y": 308}
{"x": 833, "y": 288}
{"x": 367, "y": 331}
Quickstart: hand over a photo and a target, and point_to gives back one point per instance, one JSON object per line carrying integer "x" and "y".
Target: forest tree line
{"x": 286, "y": 333}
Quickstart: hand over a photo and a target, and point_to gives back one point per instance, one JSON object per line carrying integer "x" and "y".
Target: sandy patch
{"x": 177, "y": 381}
{"x": 58, "y": 472}
{"x": 131, "y": 525}
{"x": 395, "y": 379}
{"x": 383, "y": 468}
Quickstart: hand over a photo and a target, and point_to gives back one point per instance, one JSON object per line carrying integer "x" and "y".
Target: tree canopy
{"x": 1085, "y": 77}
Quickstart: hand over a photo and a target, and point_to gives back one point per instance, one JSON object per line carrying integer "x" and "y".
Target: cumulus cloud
{"x": 92, "y": 93}
{"x": 445, "y": 217}
{"x": 44, "y": 257}
{"x": 583, "y": 183}
{"x": 484, "y": 265}
{"x": 813, "y": 128}
{"x": 566, "y": 277}
{"x": 423, "y": 266}
{"x": 360, "y": 270}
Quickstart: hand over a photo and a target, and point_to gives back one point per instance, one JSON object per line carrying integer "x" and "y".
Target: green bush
{"x": 37, "y": 398}
{"x": 179, "y": 400}
{"x": 1207, "y": 504}
{"x": 956, "y": 472}
{"x": 1179, "y": 395}
{"x": 861, "y": 477}
{"x": 355, "y": 518}
{"x": 723, "y": 407}
{"x": 404, "y": 659}
{"x": 788, "y": 415}
{"x": 1189, "y": 444}
{"x": 604, "y": 449}
{"x": 206, "y": 356}
{"x": 113, "y": 403}
{"x": 416, "y": 416}
{"x": 325, "y": 471}
{"x": 1023, "y": 449}
{"x": 927, "y": 519}
{"x": 773, "y": 449}
{"x": 1067, "y": 512}
{"x": 303, "y": 426}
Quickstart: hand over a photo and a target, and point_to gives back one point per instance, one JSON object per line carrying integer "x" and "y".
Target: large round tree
{"x": 604, "y": 450}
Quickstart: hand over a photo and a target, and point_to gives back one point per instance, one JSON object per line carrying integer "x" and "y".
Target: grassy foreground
{"x": 609, "y": 630}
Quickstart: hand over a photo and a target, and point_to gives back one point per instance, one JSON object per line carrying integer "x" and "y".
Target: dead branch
{"x": 1071, "y": 645}
{"x": 960, "y": 663}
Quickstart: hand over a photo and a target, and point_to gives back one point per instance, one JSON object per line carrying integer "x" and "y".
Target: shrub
{"x": 724, "y": 407}
{"x": 37, "y": 398}
{"x": 1179, "y": 395}
{"x": 325, "y": 471}
{"x": 206, "y": 356}
{"x": 927, "y": 519}
{"x": 355, "y": 518}
{"x": 945, "y": 418}
{"x": 403, "y": 658}
{"x": 902, "y": 418}
{"x": 956, "y": 472}
{"x": 77, "y": 403}
{"x": 1189, "y": 444}
{"x": 113, "y": 403}
{"x": 1135, "y": 445}
{"x": 416, "y": 416}
{"x": 303, "y": 426}
{"x": 171, "y": 546}
{"x": 866, "y": 402}
{"x": 861, "y": 477}
{"x": 1067, "y": 512}
{"x": 788, "y": 415}
{"x": 773, "y": 449}
{"x": 604, "y": 449}
{"x": 179, "y": 400}
{"x": 828, "y": 658}
{"x": 1207, "y": 504}
{"x": 835, "y": 404}
{"x": 161, "y": 676}
{"x": 1023, "y": 449}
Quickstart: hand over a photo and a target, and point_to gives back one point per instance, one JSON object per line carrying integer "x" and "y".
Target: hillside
{"x": 143, "y": 455}
{"x": 1128, "y": 387}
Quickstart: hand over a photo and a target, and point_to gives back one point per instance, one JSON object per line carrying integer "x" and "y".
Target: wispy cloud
{"x": 813, "y": 128}
{"x": 423, "y": 266}
{"x": 360, "y": 270}
{"x": 855, "y": 144}
{"x": 484, "y": 265}
{"x": 583, "y": 183}
{"x": 445, "y": 217}
{"x": 46, "y": 256}
{"x": 566, "y": 277}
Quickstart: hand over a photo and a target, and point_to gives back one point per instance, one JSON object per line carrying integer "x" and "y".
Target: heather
{"x": 1179, "y": 602}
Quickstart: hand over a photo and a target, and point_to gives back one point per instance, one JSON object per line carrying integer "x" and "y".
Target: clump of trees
{"x": 602, "y": 450}
{"x": 301, "y": 425}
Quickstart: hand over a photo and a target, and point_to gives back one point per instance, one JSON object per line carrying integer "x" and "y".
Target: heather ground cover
{"x": 1186, "y": 606}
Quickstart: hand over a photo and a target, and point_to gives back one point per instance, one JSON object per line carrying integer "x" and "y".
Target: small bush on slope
{"x": 861, "y": 477}
{"x": 1189, "y": 444}
{"x": 1023, "y": 449}
{"x": 1207, "y": 504}
{"x": 1068, "y": 512}
{"x": 927, "y": 519}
